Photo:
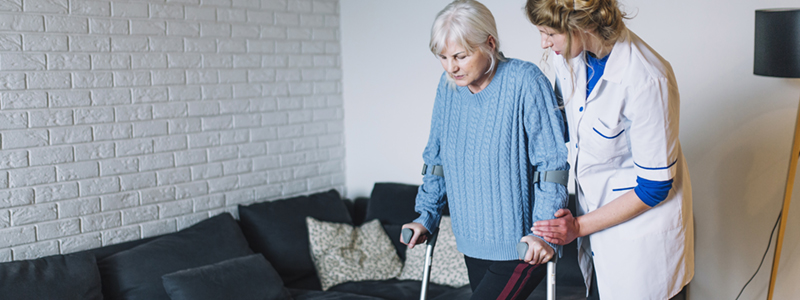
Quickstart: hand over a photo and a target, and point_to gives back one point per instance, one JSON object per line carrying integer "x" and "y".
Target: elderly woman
{"x": 496, "y": 128}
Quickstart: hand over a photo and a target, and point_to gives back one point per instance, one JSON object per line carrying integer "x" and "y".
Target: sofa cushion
{"x": 359, "y": 210}
{"x": 69, "y": 277}
{"x": 106, "y": 251}
{"x": 345, "y": 253}
{"x": 394, "y": 231}
{"x": 243, "y": 278}
{"x": 448, "y": 267}
{"x": 277, "y": 229}
{"x": 394, "y": 289}
{"x": 465, "y": 292}
{"x": 301, "y": 294}
{"x": 136, "y": 273}
{"x": 392, "y": 203}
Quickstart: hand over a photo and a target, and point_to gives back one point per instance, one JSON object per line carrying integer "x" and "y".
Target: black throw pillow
{"x": 277, "y": 229}
{"x": 392, "y": 203}
{"x": 394, "y": 232}
{"x": 67, "y": 277}
{"x": 244, "y": 278}
{"x": 136, "y": 273}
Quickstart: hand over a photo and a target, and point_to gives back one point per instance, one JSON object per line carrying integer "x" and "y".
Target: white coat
{"x": 628, "y": 127}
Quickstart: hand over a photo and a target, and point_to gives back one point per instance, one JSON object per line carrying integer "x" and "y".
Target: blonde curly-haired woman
{"x": 635, "y": 223}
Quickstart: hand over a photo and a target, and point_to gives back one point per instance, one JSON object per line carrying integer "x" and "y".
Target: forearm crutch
{"x": 407, "y": 233}
{"x": 522, "y": 249}
{"x": 560, "y": 177}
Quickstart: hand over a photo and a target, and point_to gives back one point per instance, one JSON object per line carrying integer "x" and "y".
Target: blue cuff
{"x": 652, "y": 192}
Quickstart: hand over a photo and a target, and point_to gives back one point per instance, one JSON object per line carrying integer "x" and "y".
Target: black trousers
{"x": 512, "y": 279}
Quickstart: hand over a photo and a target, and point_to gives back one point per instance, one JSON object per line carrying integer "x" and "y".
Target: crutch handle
{"x": 407, "y": 233}
{"x": 522, "y": 249}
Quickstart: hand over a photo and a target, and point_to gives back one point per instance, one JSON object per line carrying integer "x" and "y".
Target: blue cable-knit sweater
{"x": 489, "y": 144}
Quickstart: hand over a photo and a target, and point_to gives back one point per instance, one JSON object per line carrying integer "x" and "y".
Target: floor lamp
{"x": 777, "y": 54}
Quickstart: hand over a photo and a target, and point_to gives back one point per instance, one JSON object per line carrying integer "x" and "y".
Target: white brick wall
{"x": 121, "y": 120}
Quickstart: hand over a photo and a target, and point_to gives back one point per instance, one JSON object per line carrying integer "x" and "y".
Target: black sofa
{"x": 263, "y": 255}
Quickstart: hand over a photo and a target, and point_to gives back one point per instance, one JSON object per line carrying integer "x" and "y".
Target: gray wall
{"x": 121, "y": 120}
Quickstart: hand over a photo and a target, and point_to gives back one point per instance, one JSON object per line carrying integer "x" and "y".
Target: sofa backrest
{"x": 273, "y": 228}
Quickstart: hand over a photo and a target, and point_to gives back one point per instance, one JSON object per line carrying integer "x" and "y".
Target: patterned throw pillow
{"x": 448, "y": 267}
{"x": 343, "y": 253}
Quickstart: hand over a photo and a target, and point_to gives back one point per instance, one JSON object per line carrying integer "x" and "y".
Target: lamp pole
{"x": 777, "y": 54}
{"x": 787, "y": 200}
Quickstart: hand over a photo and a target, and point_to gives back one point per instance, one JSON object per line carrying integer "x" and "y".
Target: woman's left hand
{"x": 560, "y": 231}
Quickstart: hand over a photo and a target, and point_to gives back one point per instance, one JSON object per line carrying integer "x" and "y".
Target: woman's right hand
{"x": 419, "y": 236}
{"x": 560, "y": 231}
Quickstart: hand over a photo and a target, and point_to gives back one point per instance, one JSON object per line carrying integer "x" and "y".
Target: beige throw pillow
{"x": 343, "y": 253}
{"x": 448, "y": 267}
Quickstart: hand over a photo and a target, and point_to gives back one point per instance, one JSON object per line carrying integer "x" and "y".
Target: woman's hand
{"x": 560, "y": 231}
{"x": 539, "y": 252}
{"x": 419, "y": 236}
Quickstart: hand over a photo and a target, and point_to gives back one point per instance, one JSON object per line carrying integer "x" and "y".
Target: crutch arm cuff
{"x": 558, "y": 176}
{"x": 434, "y": 170}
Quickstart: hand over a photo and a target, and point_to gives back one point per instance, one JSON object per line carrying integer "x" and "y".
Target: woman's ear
{"x": 492, "y": 44}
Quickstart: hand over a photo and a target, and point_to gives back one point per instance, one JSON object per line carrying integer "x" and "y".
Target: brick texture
{"x": 123, "y": 120}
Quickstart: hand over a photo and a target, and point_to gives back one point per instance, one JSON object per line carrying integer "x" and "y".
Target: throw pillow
{"x": 345, "y": 253}
{"x": 136, "y": 273}
{"x": 69, "y": 277}
{"x": 243, "y": 278}
{"x": 392, "y": 203}
{"x": 394, "y": 231}
{"x": 277, "y": 229}
{"x": 448, "y": 267}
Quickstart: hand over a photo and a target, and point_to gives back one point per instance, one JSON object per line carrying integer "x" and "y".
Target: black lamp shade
{"x": 777, "y": 44}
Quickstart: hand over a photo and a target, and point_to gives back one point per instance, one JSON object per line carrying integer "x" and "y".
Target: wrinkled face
{"x": 556, "y": 41}
{"x": 467, "y": 69}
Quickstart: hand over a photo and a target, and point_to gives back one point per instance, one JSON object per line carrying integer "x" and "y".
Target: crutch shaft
{"x": 551, "y": 280}
{"x": 406, "y": 235}
{"x": 426, "y": 274}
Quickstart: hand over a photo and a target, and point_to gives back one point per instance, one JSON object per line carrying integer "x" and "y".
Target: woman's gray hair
{"x": 469, "y": 24}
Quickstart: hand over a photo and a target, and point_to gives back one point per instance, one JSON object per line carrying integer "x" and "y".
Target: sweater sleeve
{"x": 430, "y": 196}
{"x": 544, "y": 127}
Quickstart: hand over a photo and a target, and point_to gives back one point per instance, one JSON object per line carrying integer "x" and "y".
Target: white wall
{"x": 736, "y": 128}
{"x": 121, "y": 120}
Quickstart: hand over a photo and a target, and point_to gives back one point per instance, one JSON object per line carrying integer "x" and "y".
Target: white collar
{"x": 620, "y": 57}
